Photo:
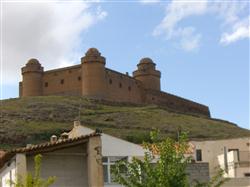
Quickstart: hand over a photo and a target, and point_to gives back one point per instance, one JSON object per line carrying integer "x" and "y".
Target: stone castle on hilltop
{"x": 92, "y": 79}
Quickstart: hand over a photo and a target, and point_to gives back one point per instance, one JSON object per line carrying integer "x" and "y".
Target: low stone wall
{"x": 239, "y": 182}
{"x": 198, "y": 172}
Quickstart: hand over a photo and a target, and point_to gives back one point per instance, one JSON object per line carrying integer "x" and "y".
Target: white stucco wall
{"x": 7, "y": 173}
{"x": 69, "y": 165}
{"x": 211, "y": 150}
{"x": 111, "y": 146}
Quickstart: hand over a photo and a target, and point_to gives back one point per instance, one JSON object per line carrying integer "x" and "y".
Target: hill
{"x": 35, "y": 119}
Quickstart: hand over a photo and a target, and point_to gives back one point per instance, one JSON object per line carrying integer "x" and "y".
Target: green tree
{"x": 34, "y": 180}
{"x": 164, "y": 165}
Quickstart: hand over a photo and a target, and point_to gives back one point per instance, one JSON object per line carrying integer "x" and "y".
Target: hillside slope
{"x": 35, "y": 119}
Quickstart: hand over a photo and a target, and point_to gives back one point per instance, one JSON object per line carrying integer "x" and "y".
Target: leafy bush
{"x": 34, "y": 180}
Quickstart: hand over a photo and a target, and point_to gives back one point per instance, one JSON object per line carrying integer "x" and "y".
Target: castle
{"x": 93, "y": 80}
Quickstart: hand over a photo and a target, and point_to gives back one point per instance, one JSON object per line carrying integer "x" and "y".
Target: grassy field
{"x": 35, "y": 119}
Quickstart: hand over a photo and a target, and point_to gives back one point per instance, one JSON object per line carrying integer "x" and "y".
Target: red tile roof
{"x": 45, "y": 147}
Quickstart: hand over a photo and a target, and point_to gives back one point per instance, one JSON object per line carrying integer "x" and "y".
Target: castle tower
{"x": 147, "y": 74}
{"x": 93, "y": 75}
{"x": 32, "y": 74}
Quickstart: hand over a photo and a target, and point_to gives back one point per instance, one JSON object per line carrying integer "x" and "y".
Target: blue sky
{"x": 201, "y": 48}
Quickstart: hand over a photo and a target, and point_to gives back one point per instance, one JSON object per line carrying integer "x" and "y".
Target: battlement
{"x": 92, "y": 79}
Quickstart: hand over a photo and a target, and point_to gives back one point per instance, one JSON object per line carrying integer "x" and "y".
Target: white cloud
{"x": 189, "y": 41}
{"x": 238, "y": 34}
{"x": 50, "y": 32}
{"x": 177, "y": 11}
{"x": 234, "y": 21}
{"x": 149, "y": 1}
{"x": 235, "y": 25}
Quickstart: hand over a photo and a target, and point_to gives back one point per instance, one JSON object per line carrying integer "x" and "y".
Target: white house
{"x": 232, "y": 155}
{"x": 113, "y": 149}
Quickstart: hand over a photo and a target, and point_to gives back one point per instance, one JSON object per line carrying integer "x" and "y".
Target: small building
{"x": 231, "y": 155}
{"x": 76, "y": 162}
{"x": 113, "y": 149}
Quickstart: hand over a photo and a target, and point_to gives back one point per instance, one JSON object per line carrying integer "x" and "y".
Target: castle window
{"x": 110, "y": 81}
{"x": 129, "y": 88}
{"x": 62, "y": 81}
{"x": 46, "y": 84}
{"x": 69, "y": 71}
{"x": 79, "y": 78}
{"x": 120, "y": 85}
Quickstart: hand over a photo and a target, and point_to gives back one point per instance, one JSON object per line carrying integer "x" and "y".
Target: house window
{"x": 247, "y": 174}
{"x": 62, "y": 81}
{"x": 46, "y": 84}
{"x": 108, "y": 164}
{"x": 198, "y": 155}
{"x": 237, "y": 151}
{"x": 110, "y": 81}
{"x": 79, "y": 78}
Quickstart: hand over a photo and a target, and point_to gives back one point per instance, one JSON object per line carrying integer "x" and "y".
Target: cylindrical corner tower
{"x": 147, "y": 74}
{"x": 32, "y": 74}
{"x": 93, "y": 75}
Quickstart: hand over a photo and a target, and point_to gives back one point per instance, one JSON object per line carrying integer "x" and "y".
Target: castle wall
{"x": 32, "y": 84}
{"x": 176, "y": 103}
{"x": 150, "y": 82}
{"x": 93, "y": 80}
{"x": 64, "y": 81}
{"x": 122, "y": 88}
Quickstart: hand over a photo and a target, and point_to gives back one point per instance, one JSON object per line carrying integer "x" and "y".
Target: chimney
{"x": 64, "y": 136}
{"x": 53, "y": 139}
{"x": 28, "y": 145}
{"x": 77, "y": 123}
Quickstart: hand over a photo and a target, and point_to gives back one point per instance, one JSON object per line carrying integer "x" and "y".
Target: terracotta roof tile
{"x": 47, "y": 146}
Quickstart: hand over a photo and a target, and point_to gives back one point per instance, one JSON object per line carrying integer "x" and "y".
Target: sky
{"x": 201, "y": 47}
